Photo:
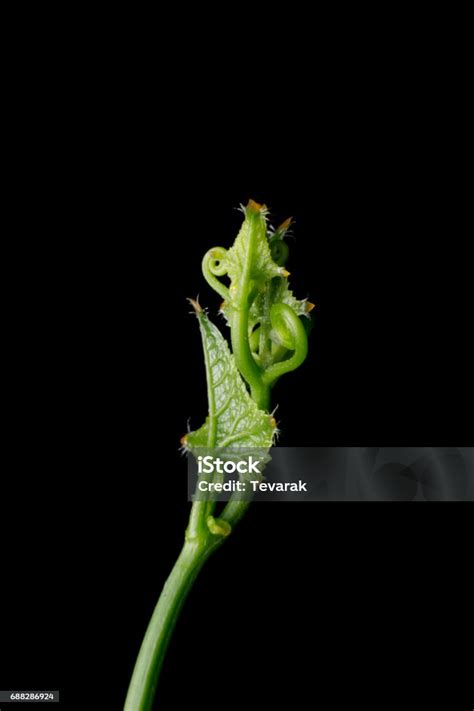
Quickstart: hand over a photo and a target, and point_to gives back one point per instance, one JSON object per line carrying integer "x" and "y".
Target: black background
{"x": 323, "y": 604}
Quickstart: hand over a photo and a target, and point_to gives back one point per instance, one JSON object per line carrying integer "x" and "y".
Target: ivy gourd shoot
{"x": 268, "y": 336}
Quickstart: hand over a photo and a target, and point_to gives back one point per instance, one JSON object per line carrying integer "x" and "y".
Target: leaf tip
{"x": 255, "y": 206}
{"x": 285, "y": 225}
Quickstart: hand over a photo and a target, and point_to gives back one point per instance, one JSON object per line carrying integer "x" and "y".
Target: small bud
{"x": 184, "y": 440}
{"x": 273, "y": 422}
{"x": 218, "y": 526}
{"x": 285, "y": 273}
{"x": 309, "y": 306}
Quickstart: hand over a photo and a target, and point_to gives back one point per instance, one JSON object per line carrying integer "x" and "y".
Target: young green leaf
{"x": 234, "y": 418}
{"x": 250, "y": 256}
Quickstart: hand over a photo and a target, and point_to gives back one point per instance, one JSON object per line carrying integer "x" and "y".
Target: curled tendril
{"x": 212, "y": 267}
{"x": 280, "y": 251}
{"x": 288, "y": 330}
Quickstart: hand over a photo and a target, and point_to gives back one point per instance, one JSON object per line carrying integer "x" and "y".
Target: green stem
{"x": 241, "y": 349}
{"x": 252, "y": 373}
{"x": 234, "y": 510}
{"x": 262, "y": 397}
{"x": 147, "y": 668}
{"x": 200, "y": 542}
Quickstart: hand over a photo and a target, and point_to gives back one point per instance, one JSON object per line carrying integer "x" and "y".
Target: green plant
{"x": 269, "y": 339}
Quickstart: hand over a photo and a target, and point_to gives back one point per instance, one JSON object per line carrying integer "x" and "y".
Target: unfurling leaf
{"x": 258, "y": 288}
{"x": 234, "y": 418}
